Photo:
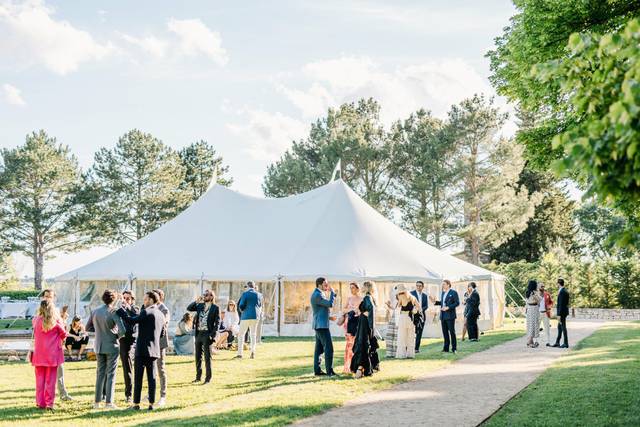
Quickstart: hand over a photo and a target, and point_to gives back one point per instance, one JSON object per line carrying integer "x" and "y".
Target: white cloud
{"x": 435, "y": 85}
{"x": 12, "y": 95}
{"x": 267, "y": 135}
{"x": 196, "y": 38}
{"x": 152, "y": 45}
{"x": 30, "y": 35}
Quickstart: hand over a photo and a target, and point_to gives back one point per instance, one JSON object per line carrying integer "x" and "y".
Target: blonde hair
{"x": 49, "y": 314}
{"x": 369, "y": 288}
{"x": 235, "y": 306}
{"x": 404, "y": 297}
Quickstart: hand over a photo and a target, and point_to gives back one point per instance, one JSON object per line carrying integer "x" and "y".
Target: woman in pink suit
{"x": 48, "y": 334}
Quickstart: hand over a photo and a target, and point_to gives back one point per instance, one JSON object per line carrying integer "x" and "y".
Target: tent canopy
{"x": 329, "y": 231}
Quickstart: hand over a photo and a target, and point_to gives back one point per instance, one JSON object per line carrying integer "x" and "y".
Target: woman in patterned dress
{"x": 533, "y": 314}
{"x": 351, "y": 324}
{"x": 391, "y": 336}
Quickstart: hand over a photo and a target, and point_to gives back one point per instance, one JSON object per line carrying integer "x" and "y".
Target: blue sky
{"x": 246, "y": 76}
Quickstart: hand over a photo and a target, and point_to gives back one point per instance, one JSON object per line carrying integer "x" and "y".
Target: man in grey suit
{"x": 164, "y": 344}
{"x": 108, "y": 327}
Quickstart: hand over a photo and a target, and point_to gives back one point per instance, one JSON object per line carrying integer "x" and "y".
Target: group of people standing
{"x": 404, "y": 330}
{"x": 538, "y": 309}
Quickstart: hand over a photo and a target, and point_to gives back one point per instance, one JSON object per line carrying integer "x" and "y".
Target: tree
{"x": 351, "y": 133}
{"x": 427, "y": 178}
{"x": 40, "y": 184}
{"x": 597, "y": 228}
{"x": 574, "y": 65}
{"x": 8, "y": 276}
{"x": 495, "y": 206}
{"x": 552, "y": 224}
{"x": 201, "y": 163}
{"x": 137, "y": 187}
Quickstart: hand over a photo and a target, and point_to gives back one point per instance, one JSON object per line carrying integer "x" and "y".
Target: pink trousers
{"x": 46, "y": 386}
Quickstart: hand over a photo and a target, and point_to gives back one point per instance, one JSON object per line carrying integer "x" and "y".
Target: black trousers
{"x": 324, "y": 344}
{"x": 472, "y": 327}
{"x": 140, "y": 365}
{"x": 449, "y": 334}
{"x": 562, "y": 330}
{"x": 419, "y": 329}
{"x": 127, "y": 350}
{"x": 203, "y": 349}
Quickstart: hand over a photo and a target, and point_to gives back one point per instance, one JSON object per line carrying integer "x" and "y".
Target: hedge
{"x": 19, "y": 294}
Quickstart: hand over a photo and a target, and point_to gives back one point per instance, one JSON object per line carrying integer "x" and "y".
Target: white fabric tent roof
{"x": 329, "y": 231}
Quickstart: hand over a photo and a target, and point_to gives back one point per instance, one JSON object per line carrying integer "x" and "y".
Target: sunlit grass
{"x": 274, "y": 389}
{"x": 598, "y": 384}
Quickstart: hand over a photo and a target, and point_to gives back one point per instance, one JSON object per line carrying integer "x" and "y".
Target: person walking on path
{"x": 127, "y": 344}
{"x": 48, "y": 336}
{"x": 320, "y": 306}
{"x": 351, "y": 324}
{"x": 164, "y": 344}
{"x": 533, "y": 313}
{"x": 472, "y": 311}
{"x": 409, "y": 308}
{"x": 250, "y": 306}
{"x": 448, "y": 303}
{"x": 108, "y": 327}
{"x": 365, "y": 358}
{"x": 545, "y": 312}
{"x": 562, "y": 312}
{"x": 151, "y": 325}
{"x": 206, "y": 323}
{"x": 423, "y": 304}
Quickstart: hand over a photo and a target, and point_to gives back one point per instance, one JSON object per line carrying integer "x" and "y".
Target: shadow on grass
{"x": 265, "y": 416}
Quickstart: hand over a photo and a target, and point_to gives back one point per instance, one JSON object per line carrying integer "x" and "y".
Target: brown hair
{"x": 109, "y": 296}
{"x": 153, "y": 295}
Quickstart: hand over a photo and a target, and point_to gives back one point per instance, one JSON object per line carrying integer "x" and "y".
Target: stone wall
{"x": 605, "y": 313}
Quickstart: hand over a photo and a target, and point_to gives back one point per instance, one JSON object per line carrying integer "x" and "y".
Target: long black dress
{"x": 365, "y": 346}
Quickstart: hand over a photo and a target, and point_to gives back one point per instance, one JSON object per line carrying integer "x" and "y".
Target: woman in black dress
{"x": 365, "y": 348}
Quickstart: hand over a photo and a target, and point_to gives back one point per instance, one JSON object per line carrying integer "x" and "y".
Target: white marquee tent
{"x": 226, "y": 236}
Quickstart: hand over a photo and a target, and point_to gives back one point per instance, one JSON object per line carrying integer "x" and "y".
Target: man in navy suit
{"x": 562, "y": 308}
{"x": 423, "y": 300}
{"x": 250, "y": 306}
{"x": 320, "y": 306}
{"x": 449, "y": 300}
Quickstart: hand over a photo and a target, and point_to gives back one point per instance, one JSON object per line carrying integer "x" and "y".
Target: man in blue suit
{"x": 449, "y": 300}
{"x": 423, "y": 300}
{"x": 250, "y": 306}
{"x": 320, "y": 306}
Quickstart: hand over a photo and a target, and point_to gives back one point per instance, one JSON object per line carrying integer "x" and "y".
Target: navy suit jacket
{"x": 150, "y": 323}
{"x": 562, "y": 304}
{"x": 452, "y": 301}
{"x": 250, "y": 304}
{"x": 425, "y": 299}
{"x": 320, "y": 306}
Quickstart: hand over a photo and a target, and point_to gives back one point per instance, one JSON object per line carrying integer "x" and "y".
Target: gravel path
{"x": 486, "y": 380}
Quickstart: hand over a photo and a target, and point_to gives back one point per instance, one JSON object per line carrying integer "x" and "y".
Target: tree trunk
{"x": 38, "y": 261}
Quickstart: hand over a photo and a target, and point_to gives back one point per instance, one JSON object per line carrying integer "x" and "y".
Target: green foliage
{"x": 495, "y": 206}
{"x": 603, "y": 283}
{"x": 351, "y": 133}
{"x": 19, "y": 294}
{"x": 598, "y": 227}
{"x": 8, "y": 276}
{"x": 427, "y": 177}
{"x": 135, "y": 187}
{"x": 551, "y": 225}
{"x": 201, "y": 163}
{"x": 40, "y": 187}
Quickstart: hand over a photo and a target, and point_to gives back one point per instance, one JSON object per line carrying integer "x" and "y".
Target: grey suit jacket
{"x": 108, "y": 327}
{"x": 164, "y": 339}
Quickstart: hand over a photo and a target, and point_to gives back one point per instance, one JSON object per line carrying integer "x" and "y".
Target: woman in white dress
{"x": 407, "y": 308}
{"x": 229, "y": 326}
{"x": 533, "y": 314}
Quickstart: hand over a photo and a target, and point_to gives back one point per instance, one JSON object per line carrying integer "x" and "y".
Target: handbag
{"x": 341, "y": 319}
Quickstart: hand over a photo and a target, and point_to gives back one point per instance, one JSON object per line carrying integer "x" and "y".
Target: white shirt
{"x": 542, "y": 307}
{"x": 419, "y": 299}
{"x": 444, "y": 297}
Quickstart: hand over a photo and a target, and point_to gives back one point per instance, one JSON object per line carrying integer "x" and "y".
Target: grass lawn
{"x": 15, "y": 324}
{"x": 597, "y": 384}
{"x": 274, "y": 389}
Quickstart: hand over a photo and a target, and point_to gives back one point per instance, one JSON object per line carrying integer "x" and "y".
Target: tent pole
{"x": 279, "y": 304}
{"x": 77, "y": 295}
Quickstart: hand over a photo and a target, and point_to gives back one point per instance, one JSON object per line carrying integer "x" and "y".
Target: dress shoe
{"x": 320, "y": 374}
{"x": 548, "y": 345}
{"x": 564, "y": 346}
{"x": 196, "y": 381}
{"x": 556, "y": 345}
{"x": 418, "y": 351}
{"x": 134, "y": 407}
{"x": 332, "y": 374}
{"x": 444, "y": 351}
{"x": 453, "y": 351}
{"x": 206, "y": 381}
{"x": 238, "y": 356}
{"x": 150, "y": 408}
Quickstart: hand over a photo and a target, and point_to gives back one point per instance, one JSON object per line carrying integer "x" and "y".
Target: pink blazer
{"x": 47, "y": 347}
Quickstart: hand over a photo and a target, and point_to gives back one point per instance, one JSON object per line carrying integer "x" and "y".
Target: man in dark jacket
{"x": 423, "y": 301}
{"x": 448, "y": 302}
{"x": 562, "y": 307}
{"x": 472, "y": 311}
{"x": 150, "y": 323}
{"x": 205, "y": 323}
{"x": 127, "y": 343}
